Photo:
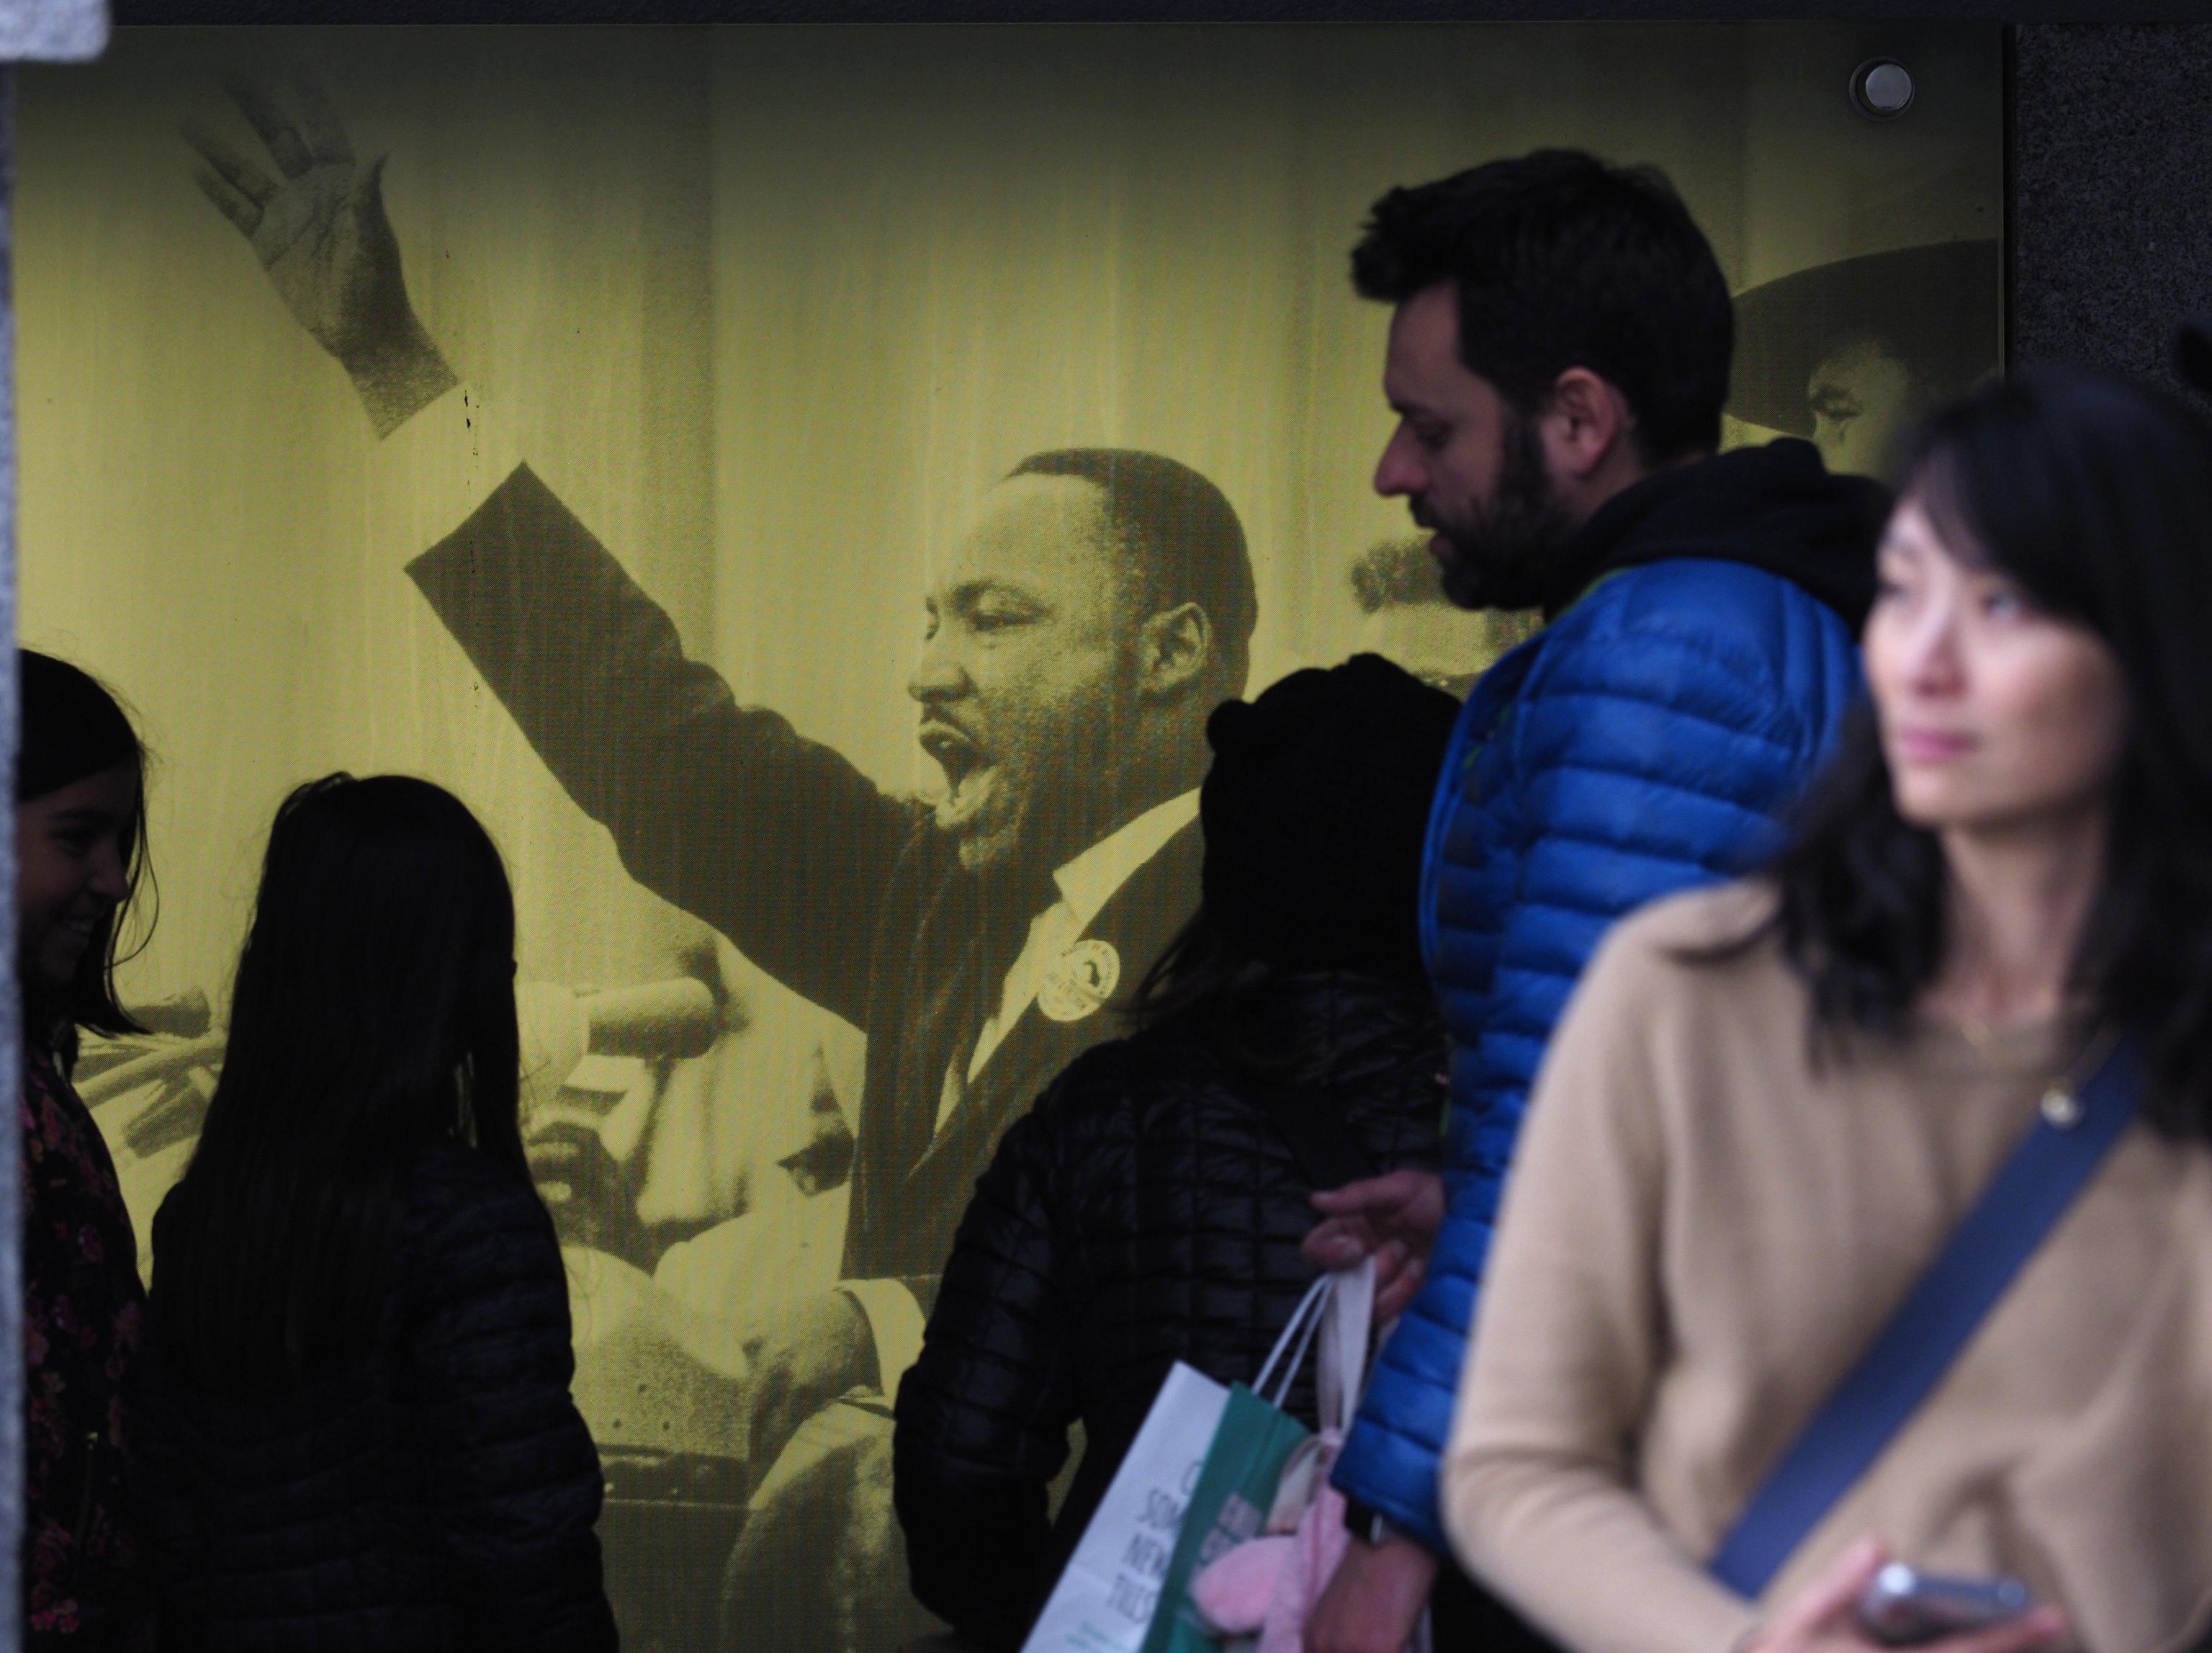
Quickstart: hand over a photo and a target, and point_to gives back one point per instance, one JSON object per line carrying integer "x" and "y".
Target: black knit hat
{"x": 1314, "y": 812}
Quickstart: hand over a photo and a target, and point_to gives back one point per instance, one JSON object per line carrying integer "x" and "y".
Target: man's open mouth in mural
{"x": 968, "y": 767}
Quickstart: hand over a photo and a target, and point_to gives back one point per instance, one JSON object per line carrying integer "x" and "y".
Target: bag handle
{"x": 1346, "y": 1325}
{"x": 1340, "y": 1310}
{"x": 1936, "y": 1320}
{"x": 1305, "y": 1320}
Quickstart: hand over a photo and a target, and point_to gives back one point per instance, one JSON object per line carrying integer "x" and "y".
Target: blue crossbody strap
{"x": 2025, "y": 1202}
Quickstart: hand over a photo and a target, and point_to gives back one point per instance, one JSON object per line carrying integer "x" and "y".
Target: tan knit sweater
{"x": 1704, "y": 1230}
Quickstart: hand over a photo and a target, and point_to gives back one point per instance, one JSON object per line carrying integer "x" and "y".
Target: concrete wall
{"x": 2112, "y": 171}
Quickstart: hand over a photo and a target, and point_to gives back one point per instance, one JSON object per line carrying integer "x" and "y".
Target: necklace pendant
{"x": 2062, "y": 1107}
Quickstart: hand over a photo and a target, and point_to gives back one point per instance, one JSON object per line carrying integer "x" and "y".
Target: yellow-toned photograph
{"x": 805, "y": 492}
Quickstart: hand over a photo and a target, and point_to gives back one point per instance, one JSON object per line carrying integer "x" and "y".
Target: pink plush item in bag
{"x": 1271, "y": 1584}
{"x": 1268, "y": 1587}
{"x": 1233, "y": 1593}
{"x": 1315, "y": 1549}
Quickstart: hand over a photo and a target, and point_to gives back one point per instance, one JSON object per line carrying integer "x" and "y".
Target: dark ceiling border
{"x": 940, "y": 12}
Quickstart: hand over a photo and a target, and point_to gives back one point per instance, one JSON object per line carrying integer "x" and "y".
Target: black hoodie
{"x": 1776, "y": 508}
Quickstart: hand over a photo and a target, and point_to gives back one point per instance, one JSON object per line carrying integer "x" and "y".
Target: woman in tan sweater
{"x": 1769, "y": 1106}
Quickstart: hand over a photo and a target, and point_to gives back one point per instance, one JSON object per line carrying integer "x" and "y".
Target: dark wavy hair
{"x": 2095, "y": 495}
{"x": 74, "y": 726}
{"x": 1560, "y": 261}
{"x": 374, "y": 1013}
{"x": 1227, "y": 994}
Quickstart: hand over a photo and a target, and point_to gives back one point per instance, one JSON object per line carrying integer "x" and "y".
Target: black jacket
{"x": 1148, "y": 1210}
{"x": 439, "y": 1494}
{"x": 1775, "y": 507}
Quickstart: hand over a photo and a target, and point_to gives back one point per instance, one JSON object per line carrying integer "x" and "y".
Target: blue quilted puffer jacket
{"x": 1640, "y": 744}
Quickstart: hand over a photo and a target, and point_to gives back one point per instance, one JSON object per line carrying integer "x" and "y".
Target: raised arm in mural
{"x": 777, "y": 842}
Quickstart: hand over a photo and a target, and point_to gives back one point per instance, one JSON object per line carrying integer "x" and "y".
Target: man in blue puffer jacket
{"x": 1559, "y": 358}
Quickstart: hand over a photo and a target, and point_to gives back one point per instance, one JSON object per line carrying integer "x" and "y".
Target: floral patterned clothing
{"x": 82, "y": 1307}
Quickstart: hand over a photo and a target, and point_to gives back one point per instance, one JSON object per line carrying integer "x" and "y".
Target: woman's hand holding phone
{"x": 1823, "y": 1618}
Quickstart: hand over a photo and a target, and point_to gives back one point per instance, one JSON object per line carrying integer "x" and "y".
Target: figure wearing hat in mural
{"x": 1848, "y": 354}
{"x": 1075, "y": 642}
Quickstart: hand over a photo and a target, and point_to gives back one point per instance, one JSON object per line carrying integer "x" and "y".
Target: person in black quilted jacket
{"x": 349, "y": 1422}
{"x": 1149, "y": 1210}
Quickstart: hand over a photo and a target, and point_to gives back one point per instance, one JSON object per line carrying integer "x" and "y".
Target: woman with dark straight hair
{"x": 1916, "y": 1126}
{"x": 80, "y": 859}
{"x": 352, "y": 1416}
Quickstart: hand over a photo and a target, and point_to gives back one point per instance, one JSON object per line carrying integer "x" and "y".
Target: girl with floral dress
{"x": 80, "y": 851}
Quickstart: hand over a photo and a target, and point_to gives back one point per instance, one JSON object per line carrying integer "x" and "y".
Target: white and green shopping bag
{"x": 1203, "y": 1448}
{"x": 1105, "y": 1601}
{"x": 1243, "y": 1469}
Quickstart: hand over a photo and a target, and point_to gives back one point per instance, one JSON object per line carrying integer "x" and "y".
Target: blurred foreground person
{"x": 79, "y": 850}
{"x": 1771, "y": 1105}
{"x": 351, "y": 1419}
{"x": 1150, "y": 1210}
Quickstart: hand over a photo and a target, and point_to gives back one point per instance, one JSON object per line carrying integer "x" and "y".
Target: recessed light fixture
{"x": 1881, "y": 89}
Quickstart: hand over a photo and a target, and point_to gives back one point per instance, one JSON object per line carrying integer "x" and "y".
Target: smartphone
{"x": 1903, "y": 1607}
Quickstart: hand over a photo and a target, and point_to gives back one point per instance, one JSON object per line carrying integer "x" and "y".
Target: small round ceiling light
{"x": 1881, "y": 89}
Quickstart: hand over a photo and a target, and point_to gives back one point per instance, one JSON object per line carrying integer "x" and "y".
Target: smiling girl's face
{"x": 1994, "y": 713}
{"x": 72, "y": 871}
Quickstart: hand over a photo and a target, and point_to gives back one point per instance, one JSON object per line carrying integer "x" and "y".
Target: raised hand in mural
{"x": 314, "y": 217}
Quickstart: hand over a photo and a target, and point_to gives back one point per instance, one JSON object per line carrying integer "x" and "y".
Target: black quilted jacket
{"x": 1147, "y": 1211}
{"x": 439, "y": 1495}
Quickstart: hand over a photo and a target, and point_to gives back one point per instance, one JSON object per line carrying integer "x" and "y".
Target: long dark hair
{"x": 74, "y": 726}
{"x": 1249, "y": 1013}
{"x": 1227, "y": 995}
{"x": 2095, "y": 496}
{"x": 374, "y": 1012}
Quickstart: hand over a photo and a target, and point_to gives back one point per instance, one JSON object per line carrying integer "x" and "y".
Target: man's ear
{"x": 1584, "y": 421}
{"x": 1174, "y": 647}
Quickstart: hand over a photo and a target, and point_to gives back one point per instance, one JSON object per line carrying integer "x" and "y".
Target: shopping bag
{"x": 1236, "y": 1488}
{"x": 1260, "y": 1594}
{"x": 1106, "y": 1598}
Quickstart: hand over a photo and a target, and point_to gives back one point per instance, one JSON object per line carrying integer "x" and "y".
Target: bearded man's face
{"x": 1469, "y": 465}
